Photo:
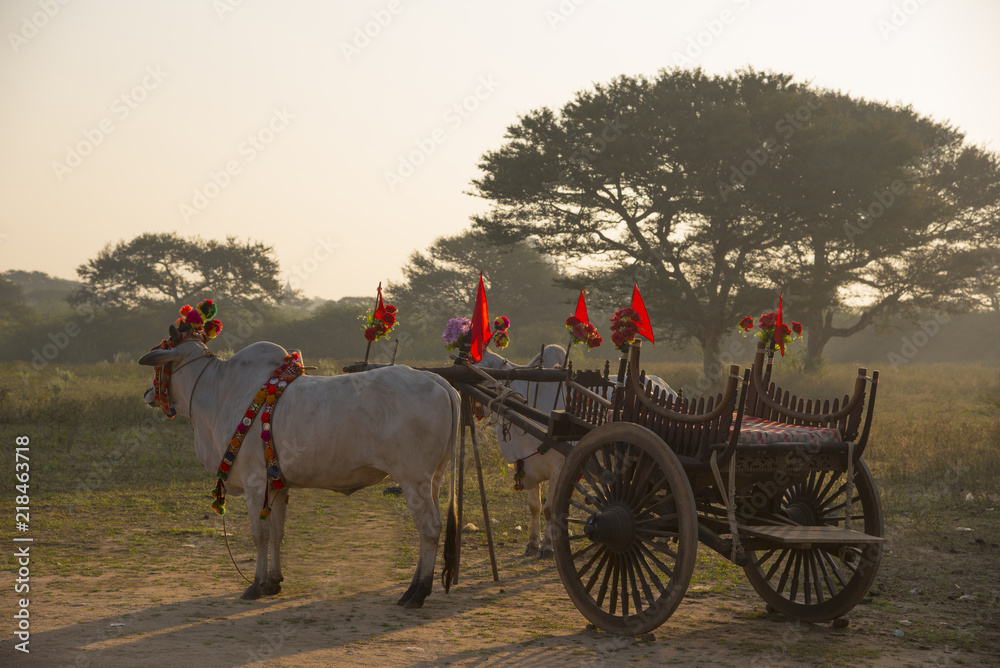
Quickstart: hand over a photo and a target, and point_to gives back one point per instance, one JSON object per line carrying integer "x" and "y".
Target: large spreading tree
{"x": 158, "y": 269}
{"x": 716, "y": 192}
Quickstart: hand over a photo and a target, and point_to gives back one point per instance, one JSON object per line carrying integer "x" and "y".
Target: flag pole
{"x": 368, "y": 349}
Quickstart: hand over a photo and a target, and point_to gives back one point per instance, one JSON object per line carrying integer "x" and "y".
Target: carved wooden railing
{"x": 850, "y": 414}
{"x": 692, "y": 427}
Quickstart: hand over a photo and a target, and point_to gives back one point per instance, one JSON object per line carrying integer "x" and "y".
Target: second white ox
{"x": 516, "y": 445}
{"x": 341, "y": 433}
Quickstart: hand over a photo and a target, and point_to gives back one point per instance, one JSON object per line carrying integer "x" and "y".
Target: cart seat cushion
{"x": 755, "y": 431}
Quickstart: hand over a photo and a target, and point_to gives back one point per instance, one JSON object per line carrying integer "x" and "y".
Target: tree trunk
{"x": 712, "y": 368}
{"x": 817, "y": 336}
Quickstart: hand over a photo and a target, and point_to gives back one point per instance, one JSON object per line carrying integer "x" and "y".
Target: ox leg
{"x": 545, "y": 552}
{"x": 279, "y": 505}
{"x": 259, "y": 528}
{"x": 422, "y": 501}
{"x": 535, "y": 507}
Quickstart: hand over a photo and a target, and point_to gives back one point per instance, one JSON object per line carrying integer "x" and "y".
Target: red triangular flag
{"x": 480, "y": 324}
{"x": 779, "y": 336}
{"x": 581, "y": 309}
{"x": 379, "y": 308}
{"x": 645, "y": 327}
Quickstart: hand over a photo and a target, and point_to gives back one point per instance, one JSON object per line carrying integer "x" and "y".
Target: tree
{"x": 888, "y": 218}
{"x": 158, "y": 269}
{"x": 715, "y": 192}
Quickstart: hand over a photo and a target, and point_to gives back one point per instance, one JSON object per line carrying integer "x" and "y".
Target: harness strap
{"x": 267, "y": 396}
{"x": 849, "y": 485}
{"x": 519, "y": 466}
{"x": 729, "y": 499}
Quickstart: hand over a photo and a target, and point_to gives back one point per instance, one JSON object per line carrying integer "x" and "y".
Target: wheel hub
{"x": 802, "y": 513}
{"x": 613, "y": 528}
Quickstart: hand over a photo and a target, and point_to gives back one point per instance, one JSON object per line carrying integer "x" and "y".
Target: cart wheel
{"x": 823, "y": 582}
{"x": 626, "y": 532}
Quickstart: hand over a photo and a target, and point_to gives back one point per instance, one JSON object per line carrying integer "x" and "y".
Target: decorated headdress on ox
{"x": 197, "y": 323}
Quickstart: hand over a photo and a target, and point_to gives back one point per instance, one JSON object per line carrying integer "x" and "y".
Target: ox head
{"x": 181, "y": 352}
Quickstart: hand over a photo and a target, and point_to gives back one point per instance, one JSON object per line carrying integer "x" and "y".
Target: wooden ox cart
{"x": 775, "y": 483}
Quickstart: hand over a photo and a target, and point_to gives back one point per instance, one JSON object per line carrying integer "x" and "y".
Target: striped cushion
{"x": 755, "y": 431}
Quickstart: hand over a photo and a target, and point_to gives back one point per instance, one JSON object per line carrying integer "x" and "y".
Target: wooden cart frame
{"x": 647, "y": 477}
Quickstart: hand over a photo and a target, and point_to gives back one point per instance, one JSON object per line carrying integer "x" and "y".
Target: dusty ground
{"x": 147, "y": 595}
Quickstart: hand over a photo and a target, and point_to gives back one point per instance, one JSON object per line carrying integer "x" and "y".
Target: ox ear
{"x": 158, "y": 357}
{"x": 175, "y": 335}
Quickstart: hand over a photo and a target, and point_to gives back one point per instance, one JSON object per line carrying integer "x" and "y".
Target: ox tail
{"x": 451, "y": 537}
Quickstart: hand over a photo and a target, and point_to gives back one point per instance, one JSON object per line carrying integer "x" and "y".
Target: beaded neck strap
{"x": 267, "y": 397}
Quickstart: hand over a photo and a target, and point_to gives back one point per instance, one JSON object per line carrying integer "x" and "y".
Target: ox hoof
{"x": 545, "y": 553}
{"x": 271, "y": 588}
{"x": 531, "y": 550}
{"x": 252, "y": 592}
{"x": 414, "y": 596}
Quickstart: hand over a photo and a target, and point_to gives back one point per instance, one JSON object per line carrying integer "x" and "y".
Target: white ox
{"x": 341, "y": 433}
{"x": 517, "y": 445}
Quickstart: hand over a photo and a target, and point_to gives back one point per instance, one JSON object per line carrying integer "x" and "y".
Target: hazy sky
{"x": 345, "y": 134}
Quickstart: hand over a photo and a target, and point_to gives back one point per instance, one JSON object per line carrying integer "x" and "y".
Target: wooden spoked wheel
{"x": 626, "y": 529}
{"x": 822, "y": 582}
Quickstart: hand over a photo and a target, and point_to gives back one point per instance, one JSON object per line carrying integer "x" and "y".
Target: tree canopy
{"x": 157, "y": 269}
{"x": 716, "y": 192}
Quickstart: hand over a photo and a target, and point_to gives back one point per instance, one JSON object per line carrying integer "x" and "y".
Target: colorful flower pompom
{"x": 213, "y": 328}
{"x": 501, "y": 333}
{"x": 199, "y": 321}
{"x": 746, "y": 324}
{"x": 194, "y": 319}
{"x": 207, "y": 309}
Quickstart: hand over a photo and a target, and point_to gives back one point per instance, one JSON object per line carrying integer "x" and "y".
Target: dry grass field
{"x": 129, "y": 566}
